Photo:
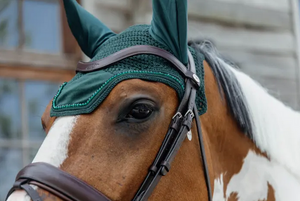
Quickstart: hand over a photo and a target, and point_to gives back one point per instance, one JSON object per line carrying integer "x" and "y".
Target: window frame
{"x": 59, "y": 67}
{"x": 295, "y": 9}
{"x": 24, "y": 65}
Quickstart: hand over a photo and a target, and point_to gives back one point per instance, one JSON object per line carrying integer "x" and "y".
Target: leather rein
{"x": 70, "y": 188}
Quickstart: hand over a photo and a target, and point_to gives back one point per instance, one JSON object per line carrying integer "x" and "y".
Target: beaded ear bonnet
{"x": 168, "y": 31}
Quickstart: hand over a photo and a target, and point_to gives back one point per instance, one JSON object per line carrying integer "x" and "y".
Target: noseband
{"x": 68, "y": 187}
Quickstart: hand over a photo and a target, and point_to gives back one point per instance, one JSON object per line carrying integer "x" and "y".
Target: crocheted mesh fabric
{"x": 86, "y": 91}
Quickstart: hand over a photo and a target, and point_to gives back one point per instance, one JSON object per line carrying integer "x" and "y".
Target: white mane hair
{"x": 274, "y": 127}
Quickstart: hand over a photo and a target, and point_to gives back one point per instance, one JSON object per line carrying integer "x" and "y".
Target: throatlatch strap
{"x": 31, "y": 192}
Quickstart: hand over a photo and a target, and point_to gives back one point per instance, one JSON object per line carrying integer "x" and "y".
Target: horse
{"x": 251, "y": 139}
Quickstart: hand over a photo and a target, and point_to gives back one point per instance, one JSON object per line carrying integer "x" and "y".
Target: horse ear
{"x": 169, "y": 26}
{"x": 89, "y": 32}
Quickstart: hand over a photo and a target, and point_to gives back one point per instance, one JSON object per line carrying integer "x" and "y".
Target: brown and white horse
{"x": 252, "y": 141}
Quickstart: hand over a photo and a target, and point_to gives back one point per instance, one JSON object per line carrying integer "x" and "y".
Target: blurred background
{"x": 38, "y": 53}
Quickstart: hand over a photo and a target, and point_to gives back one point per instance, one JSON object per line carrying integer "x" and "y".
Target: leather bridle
{"x": 68, "y": 187}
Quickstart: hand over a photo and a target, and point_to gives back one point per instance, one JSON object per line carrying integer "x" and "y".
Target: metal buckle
{"x": 177, "y": 114}
{"x": 191, "y": 112}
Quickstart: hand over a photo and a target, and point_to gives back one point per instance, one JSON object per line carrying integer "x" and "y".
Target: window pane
{"x": 10, "y": 165}
{"x": 42, "y": 25}
{"x": 8, "y": 24}
{"x": 10, "y": 112}
{"x": 38, "y": 95}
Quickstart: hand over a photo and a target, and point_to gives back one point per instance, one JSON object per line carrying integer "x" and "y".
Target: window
{"x": 30, "y": 25}
{"x": 9, "y": 34}
{"x": 43, "y": 32}
{"x": 21, "y": 106}
{"x": 37, "y": 54}
{"x": 35, "y": 33}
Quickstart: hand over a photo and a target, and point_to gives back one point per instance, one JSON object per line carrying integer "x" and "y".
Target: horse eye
{"x": 140, "y": 111}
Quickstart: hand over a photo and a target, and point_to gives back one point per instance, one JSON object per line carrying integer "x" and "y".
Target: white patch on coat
{"x": 18, "y": 196}
{"x": 54, "y": 149}
{"x": 276, "y": 132}
{"x": 218, "y": 194}
{"x": 251, "y": 183}
{"x": 276, "y": 127}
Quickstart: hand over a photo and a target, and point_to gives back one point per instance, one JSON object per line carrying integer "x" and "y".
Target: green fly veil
{"x": 168, "y": 31}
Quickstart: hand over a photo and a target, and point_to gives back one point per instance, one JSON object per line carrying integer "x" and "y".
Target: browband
{"x": 137, "y": 50}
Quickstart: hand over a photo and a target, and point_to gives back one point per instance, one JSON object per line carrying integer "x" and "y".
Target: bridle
{"x": 68, "y": 187}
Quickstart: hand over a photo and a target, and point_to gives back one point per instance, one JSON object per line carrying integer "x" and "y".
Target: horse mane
{"x": 271, "y": 125}
{"x": 228, "y": 84}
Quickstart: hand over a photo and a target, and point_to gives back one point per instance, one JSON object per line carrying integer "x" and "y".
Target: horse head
{"x": 153, "y": 117}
